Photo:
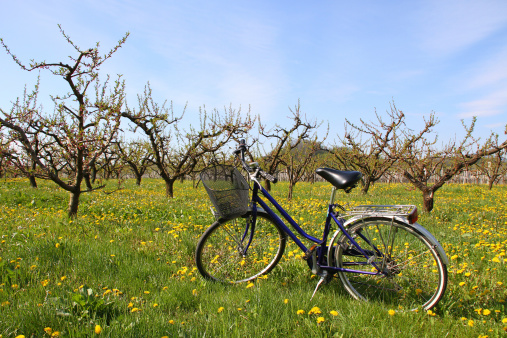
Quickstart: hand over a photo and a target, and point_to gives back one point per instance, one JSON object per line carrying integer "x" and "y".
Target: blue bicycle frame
{"x": 319, "y": 242}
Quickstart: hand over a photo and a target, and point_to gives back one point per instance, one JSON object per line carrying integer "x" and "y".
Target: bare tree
{"x": 367, "y": 143}
{"x": 176, "y": 152}
{"x": 282, "y": 140}
{"x": 300, "y": 161}
{"x": 85, "y": 120}
{"x": 137, "y": 154}
{"x": 493, "y": 166}
{"x": 428, "y": 168}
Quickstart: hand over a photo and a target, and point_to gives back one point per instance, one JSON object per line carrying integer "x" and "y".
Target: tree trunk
{"x": 428, "y": 199}
{"x": 138, "y": 179}
{"x": 74, "y": 203}
{"x": 267, "y": 185}
{"x": 169, "y": 188}
{"x": 366, "y": 184}
{"x": 33, "y": 182}
{"x": 93, "y": 174}
{"x": 88, "y": 181}
{"x": 490, "y": 183}
{"x": 291, "y": 188}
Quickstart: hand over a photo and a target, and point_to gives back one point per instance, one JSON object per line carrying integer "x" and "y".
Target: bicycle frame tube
{"x": 322, "y": 242}
{"x": 286, "y": 216}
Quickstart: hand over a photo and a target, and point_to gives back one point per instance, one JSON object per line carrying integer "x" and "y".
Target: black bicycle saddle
{"x": 340, "y": 179}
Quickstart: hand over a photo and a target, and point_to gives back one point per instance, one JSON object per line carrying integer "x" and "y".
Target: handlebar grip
{"x": 268, "y": 177}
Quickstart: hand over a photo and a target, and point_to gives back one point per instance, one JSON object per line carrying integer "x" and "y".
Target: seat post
{"x": 333, "y": 194}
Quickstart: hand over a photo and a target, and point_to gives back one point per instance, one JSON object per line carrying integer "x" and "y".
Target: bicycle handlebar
{"x": 259, "y": 172}
{"x": 268, "y": 176}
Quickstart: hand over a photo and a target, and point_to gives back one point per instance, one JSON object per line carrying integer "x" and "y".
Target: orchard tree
{"x": 494, "y": 167}
{"x": 137, "y": 155}
{"x": 428, "y": 167}
{"x": 18, "y": 155}
{"x": 176, "y": 152}
{"x": 366, "y": 145}
{"x": 282, "y": 140}
{"x": 82, "y": 126}
{"x": 300, "y": 162}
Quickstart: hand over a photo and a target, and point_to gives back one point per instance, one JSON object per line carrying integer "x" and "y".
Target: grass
{"x": 126, "y": 264}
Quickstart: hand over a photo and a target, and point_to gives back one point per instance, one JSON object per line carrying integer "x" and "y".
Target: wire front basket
{"x": 227, "y": 190}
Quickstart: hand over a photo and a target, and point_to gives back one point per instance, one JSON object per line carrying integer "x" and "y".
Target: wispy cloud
{"x": 451, "y": 26}
{"x": 491, "y": 72}
{"x": 490, "y": 105}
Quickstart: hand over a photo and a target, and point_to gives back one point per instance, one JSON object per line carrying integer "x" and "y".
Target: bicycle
{"x": 379, "y": 252}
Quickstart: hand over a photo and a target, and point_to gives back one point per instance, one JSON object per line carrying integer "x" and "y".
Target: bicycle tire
{"x": 415, "y": 273}
{"x": 219, "y": 251}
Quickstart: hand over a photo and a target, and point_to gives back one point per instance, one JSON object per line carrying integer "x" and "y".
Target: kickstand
{"x": 323, "y": 280}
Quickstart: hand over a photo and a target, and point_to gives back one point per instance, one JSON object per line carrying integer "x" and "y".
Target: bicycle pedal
{"x": 309, "y": 252}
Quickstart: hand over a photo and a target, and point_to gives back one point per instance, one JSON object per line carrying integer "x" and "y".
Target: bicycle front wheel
{"x": 228, "y": 253}
{"x": 406, "y": 269}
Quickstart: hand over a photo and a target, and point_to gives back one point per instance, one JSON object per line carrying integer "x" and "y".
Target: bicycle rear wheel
{"x": 221, "y": 255}
{"x": 412, "y": 272}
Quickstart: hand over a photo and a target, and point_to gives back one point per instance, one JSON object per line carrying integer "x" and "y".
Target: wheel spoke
{"x": 220, "y": 251}
{"x": 412, "y": 272}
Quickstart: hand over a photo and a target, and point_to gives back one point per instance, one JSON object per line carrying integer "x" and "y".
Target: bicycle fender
{"x": 422, "y": 230}
{"x": 415, "y": 226}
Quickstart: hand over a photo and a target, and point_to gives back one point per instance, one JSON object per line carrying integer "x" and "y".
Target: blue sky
{"x": 342, "y": 59}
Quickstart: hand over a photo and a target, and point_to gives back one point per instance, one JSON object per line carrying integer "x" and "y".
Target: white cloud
{"x": 493, "y": 71}
{"x": 450, "y": 26}
{"x": 496, "y": 125}
{"x": 490, "y": 105}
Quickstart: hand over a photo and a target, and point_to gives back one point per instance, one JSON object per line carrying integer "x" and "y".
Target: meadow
{"x": 125, "y": 267}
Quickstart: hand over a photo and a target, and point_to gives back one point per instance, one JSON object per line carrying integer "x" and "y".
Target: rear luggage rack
{"x": 406, "y": 211}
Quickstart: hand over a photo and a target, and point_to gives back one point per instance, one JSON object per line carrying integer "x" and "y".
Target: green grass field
{"x": 126, "y": 264}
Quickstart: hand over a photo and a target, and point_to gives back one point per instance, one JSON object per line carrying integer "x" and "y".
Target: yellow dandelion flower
{"x": 315, "y": 310}
{"x": 98, "y": 329}
{"x": 171, "y": 321}
{"x": 391, "y": 312}
{"x": 220, "y": 309}
{"x": 461, "y": 283}
{"x": 194, "y": 292}
{"x": 320, "y": 320}
{"x": 55, "y": 334}
{"x": 470, "y": 323}
{"x": 504, "y": 320}
{"x": 48, "y": 330}
{"x": 249, "y": 285}
{"x": 300, "y": 312}
{"x": 333, "y": 313}
{"x": 135, "y": 310}
{"x": 486, "y": 312}
{"x": 285, "y": 301}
